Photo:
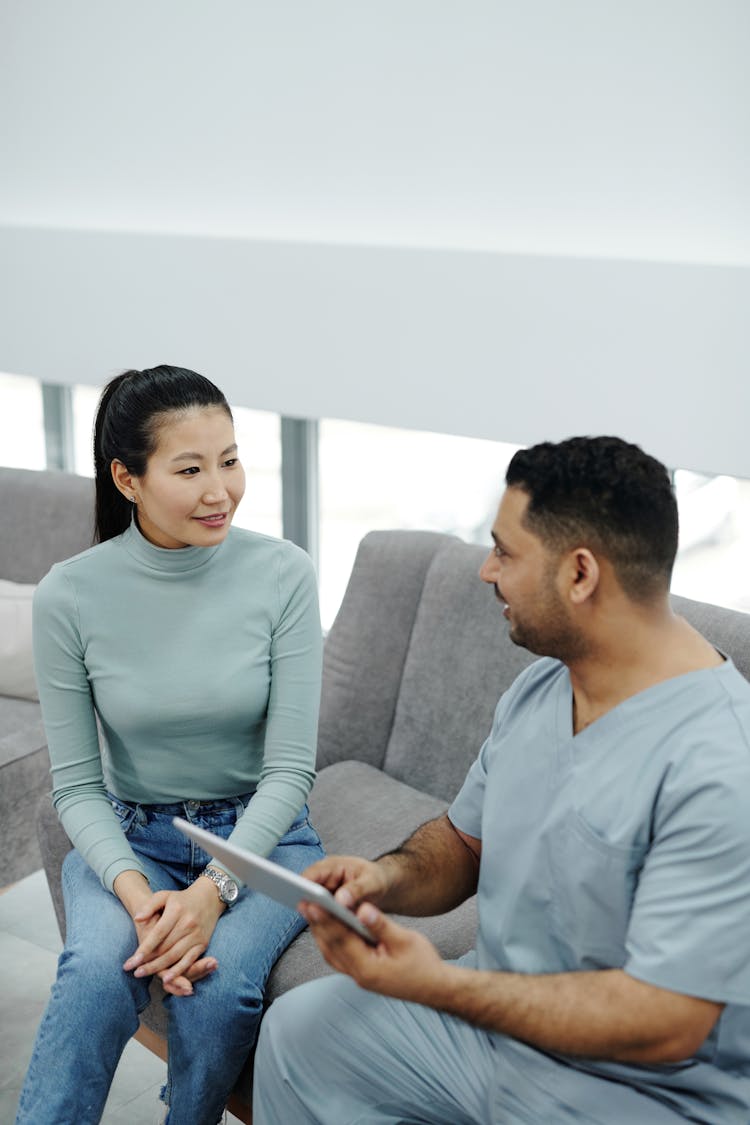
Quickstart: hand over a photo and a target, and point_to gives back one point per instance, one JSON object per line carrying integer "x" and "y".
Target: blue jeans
{"x": 94, "y": 1005}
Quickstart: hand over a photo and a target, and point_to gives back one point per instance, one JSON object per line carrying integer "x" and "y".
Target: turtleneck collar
{"x": 168, "y": 560}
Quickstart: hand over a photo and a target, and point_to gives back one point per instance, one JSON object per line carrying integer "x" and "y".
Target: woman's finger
{"x": 185, "y": 962}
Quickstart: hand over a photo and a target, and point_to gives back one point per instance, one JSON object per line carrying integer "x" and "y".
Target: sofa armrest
{"x": 54, "y": 846}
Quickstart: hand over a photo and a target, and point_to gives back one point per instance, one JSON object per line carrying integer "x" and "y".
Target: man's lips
{"x": 503, "y": 603}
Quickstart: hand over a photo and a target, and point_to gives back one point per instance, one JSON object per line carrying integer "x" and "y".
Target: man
{"x": 606, "y": 827}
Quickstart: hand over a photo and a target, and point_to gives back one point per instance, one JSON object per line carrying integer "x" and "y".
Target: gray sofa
{"x": 44, "y": 517}
{"x": 414, "y": 665}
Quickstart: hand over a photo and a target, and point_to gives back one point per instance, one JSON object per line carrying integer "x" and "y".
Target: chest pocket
{"x": 593, "y": 887}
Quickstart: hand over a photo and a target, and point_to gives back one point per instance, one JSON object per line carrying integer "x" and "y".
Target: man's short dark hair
{"x": 605, "y": 494}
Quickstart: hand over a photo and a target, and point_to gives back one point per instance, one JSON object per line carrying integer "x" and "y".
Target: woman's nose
{"x": 215, "y": 492}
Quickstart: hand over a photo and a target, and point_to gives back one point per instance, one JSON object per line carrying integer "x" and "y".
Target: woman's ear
{"x": 124, "y": 480}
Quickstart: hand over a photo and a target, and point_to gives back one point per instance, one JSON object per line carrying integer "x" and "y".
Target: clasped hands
{"x": 403, "y": 964}
{"x": 173, "y": 930}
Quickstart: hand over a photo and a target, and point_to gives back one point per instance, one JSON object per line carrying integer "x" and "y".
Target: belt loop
{"x": 239, "y": 808}
{"x": 141, "y": 815}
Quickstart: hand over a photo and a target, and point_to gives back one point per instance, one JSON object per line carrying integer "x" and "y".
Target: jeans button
{"x": 194, "y": 804}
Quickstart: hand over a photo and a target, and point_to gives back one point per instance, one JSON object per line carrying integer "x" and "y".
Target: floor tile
{"x": 26, "y": 973}
{"x": 26, "y": 910}
{"x": 9, "y": 1104}
{"x": 139, "y": 1070}
{"x": 144, "y": 1108}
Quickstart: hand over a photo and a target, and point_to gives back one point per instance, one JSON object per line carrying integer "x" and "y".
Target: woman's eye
{"x": 189, "y": 472}
{"x": 231, "y": 462}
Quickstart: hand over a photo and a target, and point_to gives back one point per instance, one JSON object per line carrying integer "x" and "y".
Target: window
{"x": 259, "y": 442}
{"x": 712, "y": 561}
{"x": 21, "y": 423}
{"x": 85, "y": 401}
{"x": 378, "y": 477}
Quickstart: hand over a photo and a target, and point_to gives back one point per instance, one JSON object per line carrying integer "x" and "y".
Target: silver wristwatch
{"x": 228, "y": 889}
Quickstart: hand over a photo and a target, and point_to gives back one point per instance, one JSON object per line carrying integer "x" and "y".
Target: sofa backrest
{"x": 727, "y": 629}
{"x": 416, "y": 661}
{"x": 419, "y": 655}
{"x": 45, "y": 517}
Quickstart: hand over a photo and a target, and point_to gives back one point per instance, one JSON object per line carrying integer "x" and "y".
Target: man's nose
{"x": 488, "y": 569}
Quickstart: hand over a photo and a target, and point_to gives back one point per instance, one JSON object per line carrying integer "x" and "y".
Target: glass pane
{"x": 21, "y": 423}
{"x": 259, "y": 441}
{"x": 85, "y": 401}
{"x": 712, "y": 562}
{"x": 377, "y": 477}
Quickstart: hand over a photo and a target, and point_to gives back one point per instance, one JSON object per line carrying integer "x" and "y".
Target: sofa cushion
{"x": 359, "y": 810}
{"x": 16, "y": 658}
{"x": 365, "y": 650}
{"x": 459, "y": 663}
{"x": 62, "y": 524}
{"x": 24, "y": 777}
{"x": 21, "y": 730}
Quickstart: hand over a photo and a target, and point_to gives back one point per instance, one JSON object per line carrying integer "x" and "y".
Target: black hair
{"x": 604, "y": 493}
{"x": 131, "y": 409}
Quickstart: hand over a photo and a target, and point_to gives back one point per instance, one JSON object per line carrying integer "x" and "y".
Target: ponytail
{"x": 126, "y": 430}
{"x": 112, "y": 512}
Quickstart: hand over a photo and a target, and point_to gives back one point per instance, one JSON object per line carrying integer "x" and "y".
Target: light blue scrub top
{"x": 624, "y": 846}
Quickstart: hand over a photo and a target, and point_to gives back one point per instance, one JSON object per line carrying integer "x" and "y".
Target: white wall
{"x": 514, "y": 220}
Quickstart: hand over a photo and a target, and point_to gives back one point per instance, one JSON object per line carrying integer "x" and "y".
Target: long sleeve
{"x": 202, "y": 667}
{"x": 78, "y": 789}
{"x": 288, "y": 769}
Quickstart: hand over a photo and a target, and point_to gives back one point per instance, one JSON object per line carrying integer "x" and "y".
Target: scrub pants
{"x": 94, "y": 1005}
{"x": 330, "y": 1053}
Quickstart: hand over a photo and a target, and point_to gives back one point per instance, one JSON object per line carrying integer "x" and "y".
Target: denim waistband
{"x": 189, "y": 807}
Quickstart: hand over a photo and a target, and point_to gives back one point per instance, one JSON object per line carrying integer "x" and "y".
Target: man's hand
{"x": 600, "y": 1014}
{"x": 404, "y": 964}
{"x": 432, "y": 872}
{"x": 174, "y": 929}
{"x": 351, "y": 879}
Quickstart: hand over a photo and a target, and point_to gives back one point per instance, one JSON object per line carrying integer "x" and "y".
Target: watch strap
{"x": 221, "y": 879}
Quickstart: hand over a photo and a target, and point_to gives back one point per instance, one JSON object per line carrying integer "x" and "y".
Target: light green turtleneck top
{"x": 203, "y": 665}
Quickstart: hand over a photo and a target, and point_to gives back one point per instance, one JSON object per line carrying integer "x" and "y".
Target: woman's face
{"x": 193, "y": 482}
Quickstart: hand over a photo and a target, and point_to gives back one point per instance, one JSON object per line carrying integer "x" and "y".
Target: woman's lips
{"x": 217, "y": 520}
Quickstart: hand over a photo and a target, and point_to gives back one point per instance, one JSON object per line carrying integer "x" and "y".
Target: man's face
{"x": 524, "y": 573}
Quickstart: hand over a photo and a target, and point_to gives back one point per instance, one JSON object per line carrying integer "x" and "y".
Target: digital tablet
{"x": 270, "y": 878}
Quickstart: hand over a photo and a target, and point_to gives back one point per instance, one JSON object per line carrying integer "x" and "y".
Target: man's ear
{"x": 583, "y": 574}
{"x": 124, "y": 480}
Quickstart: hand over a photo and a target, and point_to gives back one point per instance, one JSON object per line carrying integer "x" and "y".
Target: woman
{"x": 198, "y": 649}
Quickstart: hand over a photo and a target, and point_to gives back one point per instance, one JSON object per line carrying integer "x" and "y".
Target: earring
{"x": 133, "y": 500}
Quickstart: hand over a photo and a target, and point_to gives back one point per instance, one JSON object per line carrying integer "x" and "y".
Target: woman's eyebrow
{"x": 199, "y": 456}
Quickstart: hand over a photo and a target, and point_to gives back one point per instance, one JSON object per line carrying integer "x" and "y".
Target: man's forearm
{"x": 606, "y": 1014}
{"x": 431, "y": 872}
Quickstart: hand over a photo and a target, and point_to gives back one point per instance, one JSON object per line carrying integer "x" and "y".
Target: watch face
{"x": 229, "y": 891}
